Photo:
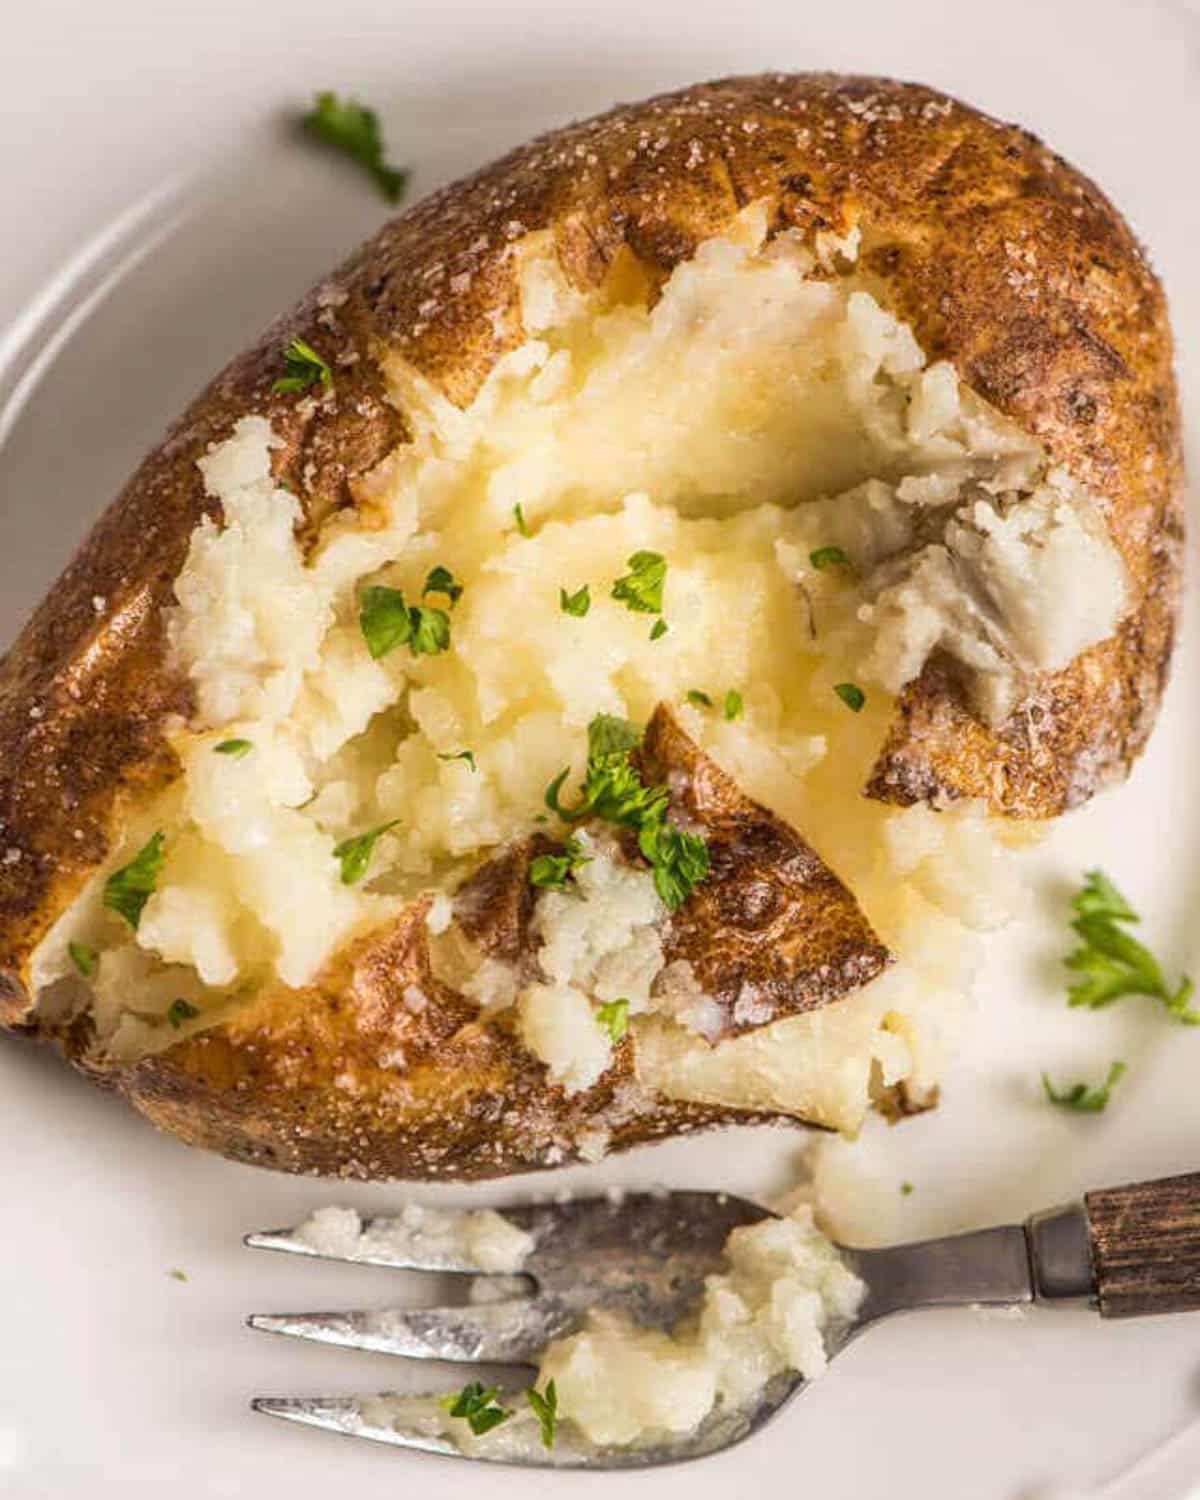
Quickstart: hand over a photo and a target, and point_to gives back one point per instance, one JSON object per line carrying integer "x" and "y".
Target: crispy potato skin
{"x": 345, "y": 1079}
{"x": 1006, "y": 261}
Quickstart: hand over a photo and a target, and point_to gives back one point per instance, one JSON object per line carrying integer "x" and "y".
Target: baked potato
{"x": 583, "y": 675}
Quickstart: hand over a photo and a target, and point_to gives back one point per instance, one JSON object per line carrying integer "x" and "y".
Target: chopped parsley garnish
{"x": 85, "y": 959}
{"x": 552, "y": 871}
{"x": 828, "y": 557}
{"x": 180, "y": 1011}
{"x": 613, "y": 1015}
{"x": 545, "y": 1409}
{"x": 1110, "y": 962}
{"x": 442, "y": 581}
{"x": 734, "y": 707}
{"x": 641, "y": 588}
{"x": 1081, "y": 1098}
{"x": 176, "y": 1274}
{"x": 701, "y": 700}
{"x": 235, "y": 749}
{"x": 658, "y": 629}
{"x": 127, "y": 890}
{"x": 576, "y": 604}
{"x": 460, "y": 755}
{"x": 614, "y": 791}
{"x": 355, "y": 853}
{"x": 387, "y": 621}
{"x": 476, "y": 1404}
{"x": 680, "y": 860}
{"x": 851, "y": 695}
{"x": 353, "y": 129}
{"x": 519, "y": 516}
{"x": 304, "y": 367}
{"x": 906, "y": 1189}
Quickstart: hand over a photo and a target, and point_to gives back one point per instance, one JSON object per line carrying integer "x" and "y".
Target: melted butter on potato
{"x": 754, "y": 413}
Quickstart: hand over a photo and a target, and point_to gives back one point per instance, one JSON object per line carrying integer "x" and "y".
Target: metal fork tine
{"x": 389, "y": 1242}
{"x": 418, "y": 1422}
{"x": 512, "y": 1332}
{"x": 345, "y": 1414}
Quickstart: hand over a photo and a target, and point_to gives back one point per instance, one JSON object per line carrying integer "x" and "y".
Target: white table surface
{"x": 117, "y": 1380}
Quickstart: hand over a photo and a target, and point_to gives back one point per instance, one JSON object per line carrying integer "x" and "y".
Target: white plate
{"x": 116, "y": 1379}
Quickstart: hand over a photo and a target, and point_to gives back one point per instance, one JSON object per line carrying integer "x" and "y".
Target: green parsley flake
{"x": 701, "y": 700}
{"x": 386, "y": 622}
{"x": 613, "y": 1015}
{"x": 85, "y": 959}
{"x": 576, "y": 604}
{"x": 127, "y": 890}
{"x": 658, "y": 629}
{"x": 235, "y": 749}
{"x": 353, "y": 129}
{"x": 828, "y": 557}
{"x": 641, "y": 589}
{"x": 545, "y": 1409}
{"x": 460, "y": 755}
{"x": 304, "y": 367}
{"x": 552, "y": 871}
{"x": 176, "y": 1274}
{"x": 906, "y": 1189}
{"x": 734, "y": 707}
{"x": 519, "y": 515}
{"x": 614, "y": 791}
{"x": 355, "y": 853}
{"x": 851, "y": 695}
{"x": 180, "y": 1011}
{"x": 477, "y": 1406}
{"x": 1111, "y": 962}
{"x": 442, "y": 581}
{"x": 1080, "y": 1097}
{"x": 680, "y": 860}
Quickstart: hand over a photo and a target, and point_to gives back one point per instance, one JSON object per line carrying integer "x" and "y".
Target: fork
{"x": 1130, "y": 1250}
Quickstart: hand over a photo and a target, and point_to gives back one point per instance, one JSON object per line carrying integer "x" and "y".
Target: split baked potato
{"x": 583, "y": 674}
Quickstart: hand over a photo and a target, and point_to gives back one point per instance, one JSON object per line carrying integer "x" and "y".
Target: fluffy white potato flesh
{"x": 759, "y": 412}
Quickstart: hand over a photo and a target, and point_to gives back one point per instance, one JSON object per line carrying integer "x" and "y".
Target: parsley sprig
{"x": 829, "y": 557}
{"x": 545, "y": 1408}
{"x": 355, "y": 854}
{"x": 387, "y": 621}
{"x": 353, "y": 129}
{"x": 614, "y": 791}
{"x": 1111, "y": 962}
{"x": 641, "y": 589}
{"x": 442, "y": 581}
{"x": 1080, "y": 1097}
{"x": 576, "y": 604}
{"x": 476, "y": 1404}
{"x": 304, "y": 367}
{"x": 85, "y": 958}
{"x": 180, "y": 1011}
{"x": 451, "y": 755}
{"x": 127, "y": 890}
{"x": 613, "y": 1015}
{"x": 552, "y": 871}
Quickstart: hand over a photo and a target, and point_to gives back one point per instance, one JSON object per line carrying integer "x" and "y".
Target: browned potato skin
{"x": 308, "y": 1081}
{"x": 1006, "y": 261}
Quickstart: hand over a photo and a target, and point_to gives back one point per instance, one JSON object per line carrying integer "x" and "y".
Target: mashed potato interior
{"x": 758, "y": 412}
{"x": 784, "y": 1290}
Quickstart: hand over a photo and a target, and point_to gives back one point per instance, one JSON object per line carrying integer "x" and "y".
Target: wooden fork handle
{"x": 1145, "y": 1241}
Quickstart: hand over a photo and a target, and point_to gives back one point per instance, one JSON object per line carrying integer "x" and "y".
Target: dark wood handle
{"x": 1146, "y": 1246}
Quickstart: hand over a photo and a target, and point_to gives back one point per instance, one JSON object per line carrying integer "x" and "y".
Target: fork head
{"x": 645, "y": 1254}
